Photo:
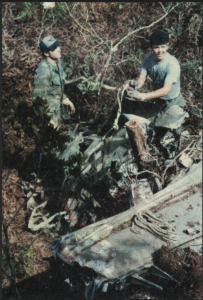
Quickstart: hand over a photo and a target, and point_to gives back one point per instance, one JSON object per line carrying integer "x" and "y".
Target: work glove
{"x": 135, "y": 94}
{"x": 133, "y": 83}
{"x": 69, "y": 105}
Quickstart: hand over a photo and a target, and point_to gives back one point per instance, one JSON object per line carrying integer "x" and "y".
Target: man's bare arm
{"x": 165, "y": 90}
{"x": 141, "y": 80}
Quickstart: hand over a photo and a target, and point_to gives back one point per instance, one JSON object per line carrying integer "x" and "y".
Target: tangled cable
{"x": 154, "y": 225}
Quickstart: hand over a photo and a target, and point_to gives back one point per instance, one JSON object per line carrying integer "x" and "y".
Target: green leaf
{"x": 23, "y": 14}
{"x": 28, "y": 4}
{"x": 27, "y": 270}
{"x": 95, "y": 88}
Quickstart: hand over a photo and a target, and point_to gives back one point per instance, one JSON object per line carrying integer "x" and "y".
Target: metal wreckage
{"x": 142, "y": 156}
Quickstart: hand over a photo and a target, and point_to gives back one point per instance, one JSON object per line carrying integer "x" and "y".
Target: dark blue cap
{"x": 49, "y": 43}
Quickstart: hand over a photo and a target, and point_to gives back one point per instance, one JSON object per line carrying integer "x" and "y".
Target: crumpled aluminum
{"x": 172, "y": 118}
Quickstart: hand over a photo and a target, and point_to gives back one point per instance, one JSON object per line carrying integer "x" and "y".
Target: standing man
{"x": 49, "y": 80}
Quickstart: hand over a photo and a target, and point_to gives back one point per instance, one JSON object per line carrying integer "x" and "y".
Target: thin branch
{"x": 43, "y": 22}
{"x": 131, "y": 59}
{"x": 31, "y": 244}
{"x": 87, "y": 42}
{"x": 6, "y": 273}
{"x": 76, "y": 21}
{"x": 172, "y": 162}
{"x": 42, "y": 26}
{"x": 141, "y": 28}
{"x": 5, "y": 246}
{"x": 115, "y": 47}
{"x": 162, "y": 6}
{"x": 155, "y": 174}
{"x": 26, "y": 200}
{"x": 142, "y": 37}
{"x": 75, "y": 80}
{"x": 108, "y": 87}
{"x": 7, "y": 176}
{"x": 96, "y": 33}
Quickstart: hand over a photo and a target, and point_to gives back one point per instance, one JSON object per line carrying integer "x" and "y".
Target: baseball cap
{"x": 49, "y": 42}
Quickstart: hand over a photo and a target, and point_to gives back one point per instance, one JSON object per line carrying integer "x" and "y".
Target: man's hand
{"x": 69, "y": 105}
{"x": 132, "y": 83}
{"x": 54, "y": 124}
{"x": 135, "y": 94}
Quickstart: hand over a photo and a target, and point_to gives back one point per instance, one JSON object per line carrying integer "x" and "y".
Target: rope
{"x": 125, "y": 87}
{"x": 115, "y": 125}
{"x": 148, "y": 221}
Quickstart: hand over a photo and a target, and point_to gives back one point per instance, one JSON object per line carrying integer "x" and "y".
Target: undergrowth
{"x": 184, "y": 265}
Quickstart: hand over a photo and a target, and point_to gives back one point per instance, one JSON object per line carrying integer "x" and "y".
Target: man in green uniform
{"x": 49, "y": 80}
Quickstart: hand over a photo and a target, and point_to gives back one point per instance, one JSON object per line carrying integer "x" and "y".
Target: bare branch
{"x": 76, "y": 21}
{"x": 162, "y": 6}
{"x": 141, "y": 28}
{"x": 108, "y": 87}
{"x": 155, "y": 174}
{"x": 26, "y": 200}
{"x": 115, "y": 47}
{"x": 5, "y": 246}
{"x": 188, "y": 147}
{"x": 6, "y": 177}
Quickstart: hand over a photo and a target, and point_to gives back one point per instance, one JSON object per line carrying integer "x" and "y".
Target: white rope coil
{"x": 154, "y": 225}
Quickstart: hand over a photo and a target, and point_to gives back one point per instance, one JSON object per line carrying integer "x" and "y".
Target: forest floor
{"x": 38, "y": 275}
{"x": 84, "y": 54}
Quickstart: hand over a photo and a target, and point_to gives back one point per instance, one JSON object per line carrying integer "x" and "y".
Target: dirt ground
{"x": 39, "y": 276}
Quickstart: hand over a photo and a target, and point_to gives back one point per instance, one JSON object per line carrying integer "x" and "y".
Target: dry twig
{"x": 172, "y": 162}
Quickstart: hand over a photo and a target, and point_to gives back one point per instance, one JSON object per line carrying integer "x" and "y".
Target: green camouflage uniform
{"x": 49, "y": 85}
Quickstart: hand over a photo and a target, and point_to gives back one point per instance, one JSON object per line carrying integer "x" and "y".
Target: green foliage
{"x": 141, "y": 53}
{"x": 191, "y": 69}
{"x": 32, "y": 122}
{"x": 27, "y": 256}
{"x": 69, "y": 61}
{"x": 76, "y": 162}
{"x": 31, "y": 9}
{"x": 87, "y": 85}
{"x": 197, "y": 7}
{"x": 59, "y": 9}
{"x": 196, "y": 112}
{"x": 105, "y": 108}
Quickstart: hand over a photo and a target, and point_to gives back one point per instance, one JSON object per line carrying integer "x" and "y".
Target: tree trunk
{"x": 137, "y": 141}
